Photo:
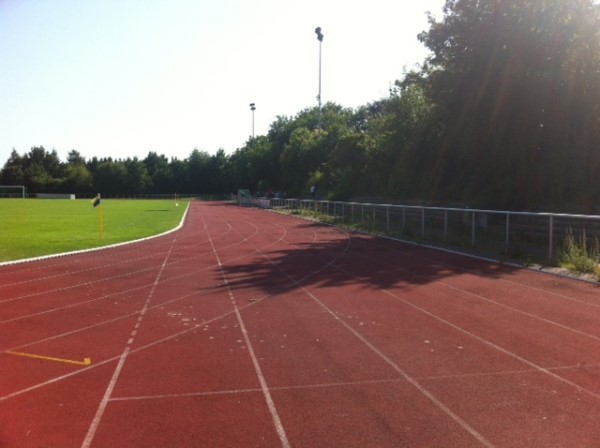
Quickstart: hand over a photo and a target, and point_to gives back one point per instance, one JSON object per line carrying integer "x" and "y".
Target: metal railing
{"x": 523, "y": 235}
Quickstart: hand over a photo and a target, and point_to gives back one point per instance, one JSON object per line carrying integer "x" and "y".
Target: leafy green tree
{"x": 217, "y": 167}
{"x": 198, "y": 171}
{"x": 301, "y": 156}
{"x": 237, "y": 169}
{"x": 110, "y": 177}
{"x": 75, "y": 158}
{"x": 13, "y": 171}
{"x": 345, "y": 165}
{"x": 160, "y": 173}
{"x": 179, "y": 169}
{"x": 138, "y": 179}
{"x": 517, "y": 85}
{"x": 78, "y": 178}
{"x": 42, "y": 170}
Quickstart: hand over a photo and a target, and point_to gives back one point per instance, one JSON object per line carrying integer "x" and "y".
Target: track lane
{"x": 174, "y": 368}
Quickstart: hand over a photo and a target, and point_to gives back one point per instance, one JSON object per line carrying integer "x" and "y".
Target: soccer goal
{"x": 13, "y": 191}
{"x": 244, "y": 198}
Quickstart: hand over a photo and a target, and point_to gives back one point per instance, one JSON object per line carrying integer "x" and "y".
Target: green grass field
{"x": 34, "y": 227}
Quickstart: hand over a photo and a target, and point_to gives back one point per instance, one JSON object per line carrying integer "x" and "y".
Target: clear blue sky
{"x": 121, "y": 78}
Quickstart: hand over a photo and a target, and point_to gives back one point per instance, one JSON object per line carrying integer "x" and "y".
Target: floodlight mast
{"x": 252, "y": 108}
{"x": 320, "y": 39}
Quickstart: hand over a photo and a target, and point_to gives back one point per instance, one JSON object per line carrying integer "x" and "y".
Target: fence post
{"x": 445, "y": 225}
{"x": 387, "y": 218}
{"x": 506, "y": 244}
{"x": 473, "y": 229}
{"x": 551, "y": 238}
{"x": 373, "y": 226}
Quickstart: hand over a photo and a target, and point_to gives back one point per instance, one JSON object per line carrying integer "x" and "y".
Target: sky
{"x": 121, "y": 78}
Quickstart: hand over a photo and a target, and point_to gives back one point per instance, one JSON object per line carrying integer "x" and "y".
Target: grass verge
{"x": 578, "y": 255}
{"x": 36, "y": 227}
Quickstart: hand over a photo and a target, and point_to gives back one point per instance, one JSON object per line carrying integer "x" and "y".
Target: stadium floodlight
{"x": 252, "y": 108}
{"x": 320, "y": 39}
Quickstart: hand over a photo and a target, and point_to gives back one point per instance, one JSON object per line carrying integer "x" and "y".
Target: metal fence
{"x": 523, "y": 235}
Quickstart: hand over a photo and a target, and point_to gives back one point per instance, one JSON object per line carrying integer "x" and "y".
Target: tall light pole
{"x": 252, "y": 108}
{"x": 320, "y": 39}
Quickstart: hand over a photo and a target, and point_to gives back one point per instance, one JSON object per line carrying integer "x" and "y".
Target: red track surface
{"x": 250, "y": 329}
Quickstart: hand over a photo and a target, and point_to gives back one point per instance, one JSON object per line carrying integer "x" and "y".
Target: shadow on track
{"x": 353, "y": 259}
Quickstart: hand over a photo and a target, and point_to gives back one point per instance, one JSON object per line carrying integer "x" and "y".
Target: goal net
{"x": 13, "y": 191}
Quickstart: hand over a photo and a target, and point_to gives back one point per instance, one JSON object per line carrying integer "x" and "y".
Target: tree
{"x": 160, "y": 173}
{"x": 42, "y": 170}
{"x": 78, "y": 179}
{"x": 198, "y": 171}
{"x": 75, "y": 158}
{"x": 345, "y": 166}
{"x": 12, "y": 173}
{"x": 517, "y": 85}
{"x": 301, "y": 156}
{"x": 111, "y": 177}
{"x": 138, "y": 179}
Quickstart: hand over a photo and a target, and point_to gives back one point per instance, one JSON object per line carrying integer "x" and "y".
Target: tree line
{"x": 504, "y": 113}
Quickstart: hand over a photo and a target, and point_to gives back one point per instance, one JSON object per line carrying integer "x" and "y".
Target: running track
{"x": 251, "y": 329}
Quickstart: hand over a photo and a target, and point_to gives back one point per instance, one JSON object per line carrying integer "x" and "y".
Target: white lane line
{"x": 506, "y": 372}
{"x": 135, "y": 350}
{"x": 505, "y": 280}
{"x": 148, "y": 285}
{"x": 547, "y": 371}
{"x": 339, "y": 384}
{"x": 79, "y": 285}
{"x": 115, "y": 377}
{"x": 89, "y": 437}
{"x": 517, "y": 310}
{"x": 483, "y": 298}
{"x": 73, "y": 305}
{"x": 105, "y": 322}
{"x": 479, "y": 437}
{"x": 388, "y": 360}
{"x": 261, "y": 378}
{"x": 494, "y": 346}
{"x": 188, "y": 395}
{"x": 255, "y": 390}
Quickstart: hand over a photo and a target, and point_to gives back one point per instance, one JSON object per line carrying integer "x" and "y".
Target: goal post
{"x": 244, "y": 197}
{"x": 13, "y": 191}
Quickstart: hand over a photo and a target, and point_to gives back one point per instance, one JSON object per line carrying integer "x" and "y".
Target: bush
{"x": 579, "y": 256}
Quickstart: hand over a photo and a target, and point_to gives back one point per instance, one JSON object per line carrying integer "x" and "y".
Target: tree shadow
{"x": 352, "y": 259}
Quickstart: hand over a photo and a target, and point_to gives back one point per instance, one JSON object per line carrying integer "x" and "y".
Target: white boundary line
{"x": 261, "y": 378}
{"x": 479, "y": 437}
{"x": 96, "y": 249}
{"x": 388, "y": 360}
{"x": 495, "y": 302}
{"x": 115, "y": 377}
{"x": 89, "y": 437}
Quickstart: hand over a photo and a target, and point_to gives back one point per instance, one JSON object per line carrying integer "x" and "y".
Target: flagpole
{"x": 97, "y": 202}
{"x": 101, "y": 221}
